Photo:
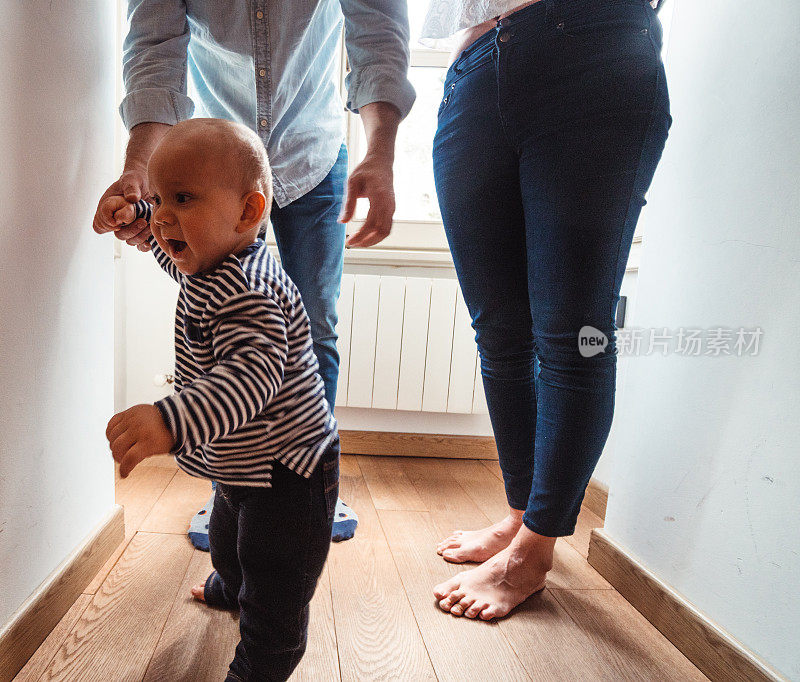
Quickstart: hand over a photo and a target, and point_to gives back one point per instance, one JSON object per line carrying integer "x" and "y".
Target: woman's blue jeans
{"x": 550, "y": 130}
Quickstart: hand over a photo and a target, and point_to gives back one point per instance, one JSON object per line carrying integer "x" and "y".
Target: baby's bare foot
{"x": 495, "y": 587}
{"x": 479, "y": 545}
{"x": 199, "y": 592}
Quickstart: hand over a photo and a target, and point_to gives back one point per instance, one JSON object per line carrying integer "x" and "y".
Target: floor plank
{"x": 376, "y": 631}
{"x": 164, "y": 461}
{"x": 137, "y": 494}
{"x": 550, "y": 644}
{"x": 450, "y": 641}
{"x": 483, "y": 488}
{"x": 587, "y": 520}
{"x": 632, "y": 649}
{"x": 197, "y": 643}
{"x": 494, "y": 466}
{"x": 117, "y": 633}
{"x": 37, "y": 664}
{"x": 181, "y": 500}
{"x": 388, "y": 484}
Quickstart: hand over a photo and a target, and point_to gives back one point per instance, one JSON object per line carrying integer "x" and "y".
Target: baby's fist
{"x": 136, "y": 434}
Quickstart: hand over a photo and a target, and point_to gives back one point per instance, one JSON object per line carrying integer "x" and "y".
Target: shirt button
{"x": 262, "y": 72}
{"x": 263, "y": 122}
{"x": 260, "y": 14}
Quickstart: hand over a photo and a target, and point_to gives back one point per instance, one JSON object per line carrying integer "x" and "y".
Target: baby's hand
{"x": 116, "y": 213}
{"x": 136, "y": 434}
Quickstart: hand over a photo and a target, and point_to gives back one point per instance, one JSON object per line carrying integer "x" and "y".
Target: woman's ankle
{"x": 533, "y": 549}
{"x": 515, "y": 517}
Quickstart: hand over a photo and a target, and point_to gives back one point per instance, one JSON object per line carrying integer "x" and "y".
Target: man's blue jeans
{"x": 550, "y": 130}
{"x": 311, "y": 245}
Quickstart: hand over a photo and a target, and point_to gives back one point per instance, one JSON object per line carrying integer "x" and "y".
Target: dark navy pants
{"x": 550, "y": 130}
{"x": 268, "y": 548}
{"x": 311, "y": 245}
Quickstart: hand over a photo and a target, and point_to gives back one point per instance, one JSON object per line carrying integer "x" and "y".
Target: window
{"x": 417, "y": 221}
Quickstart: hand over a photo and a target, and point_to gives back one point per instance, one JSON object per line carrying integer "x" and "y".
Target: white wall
{"x": 706, "y": 481}
{"x": 56, "y": 311}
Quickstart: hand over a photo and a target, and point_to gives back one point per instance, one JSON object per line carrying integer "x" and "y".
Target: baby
{"x": 249, "y": 410}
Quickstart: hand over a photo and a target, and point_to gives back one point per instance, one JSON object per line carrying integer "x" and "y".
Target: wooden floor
{"x": 373, "y": 616}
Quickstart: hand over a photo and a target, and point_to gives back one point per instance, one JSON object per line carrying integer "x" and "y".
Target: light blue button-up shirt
{"x": 271, "y": 65}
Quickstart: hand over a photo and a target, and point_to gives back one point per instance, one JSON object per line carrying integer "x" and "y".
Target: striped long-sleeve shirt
{"x": 247, "y": 387}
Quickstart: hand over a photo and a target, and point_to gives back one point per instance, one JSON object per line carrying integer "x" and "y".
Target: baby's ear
{"x": 255, "y": 203}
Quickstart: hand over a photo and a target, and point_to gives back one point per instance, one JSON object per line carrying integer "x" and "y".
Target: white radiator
{"x": 406, "y": 344}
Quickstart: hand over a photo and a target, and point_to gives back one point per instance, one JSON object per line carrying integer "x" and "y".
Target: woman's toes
{"x": 444, "y": 589}
{"x": 459, "y": 608}
{"x": 443, "y": 547}
{"x": 454, "y": 556}
{"x": 199, "y": 592}
{"x": 447, "y": 603}
{"x": 489, "y": 612}
{"x": 475, "y": 609}
{"x": 453, "y": 541}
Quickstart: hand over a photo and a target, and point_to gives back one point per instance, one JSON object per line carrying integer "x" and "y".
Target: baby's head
{"x": 211, "y": 184}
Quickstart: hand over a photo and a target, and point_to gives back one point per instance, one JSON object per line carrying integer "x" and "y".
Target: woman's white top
{"x": 446, "y": 17}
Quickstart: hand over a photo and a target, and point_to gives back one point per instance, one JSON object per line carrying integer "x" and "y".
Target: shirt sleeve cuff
{"x": 379, "y": 84}
{"x": 171, "y": 414}
{"x": 155, "y": 105}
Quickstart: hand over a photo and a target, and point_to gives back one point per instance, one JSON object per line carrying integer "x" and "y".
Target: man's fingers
{"x": 136, "y": 227}
{"x": 140, "y": 238}
{"x": 351, "y": 196}
{"x": 144, "y": 247}
{"x": 132, "y": 192}
{"x": 376, "y": 228}
{"x": 131, "y": 458}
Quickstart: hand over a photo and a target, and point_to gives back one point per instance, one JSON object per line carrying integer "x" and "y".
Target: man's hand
{"x": 131, "y": 187}
{"x": 373, "y": 177}
{"x": 136, "y": 434}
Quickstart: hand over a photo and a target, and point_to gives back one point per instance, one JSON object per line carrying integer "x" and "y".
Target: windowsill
{"x": 391, "y": 257}
{"x": 427, "y": 258}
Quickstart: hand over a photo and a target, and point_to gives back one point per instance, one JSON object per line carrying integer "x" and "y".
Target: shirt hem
{"x": 283, "y": 196}
{"x": 250, "y": 483}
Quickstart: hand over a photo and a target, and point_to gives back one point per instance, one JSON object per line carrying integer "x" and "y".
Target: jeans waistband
{"x": 548, "y": 8}
{"x": 480, "y": 50}
{"x": 475, "y": 53}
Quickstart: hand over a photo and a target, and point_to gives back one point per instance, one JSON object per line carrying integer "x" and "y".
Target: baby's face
{"x": 198, "y": 205}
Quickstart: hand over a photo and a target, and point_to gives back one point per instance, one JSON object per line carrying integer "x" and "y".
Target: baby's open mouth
{"x": 176, "y": 245}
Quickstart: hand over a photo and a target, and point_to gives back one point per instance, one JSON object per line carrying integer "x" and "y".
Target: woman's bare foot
{"x": 480, "y": 545}
{"x": 199, "y": 592}
{"x": 507, "y": 579}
